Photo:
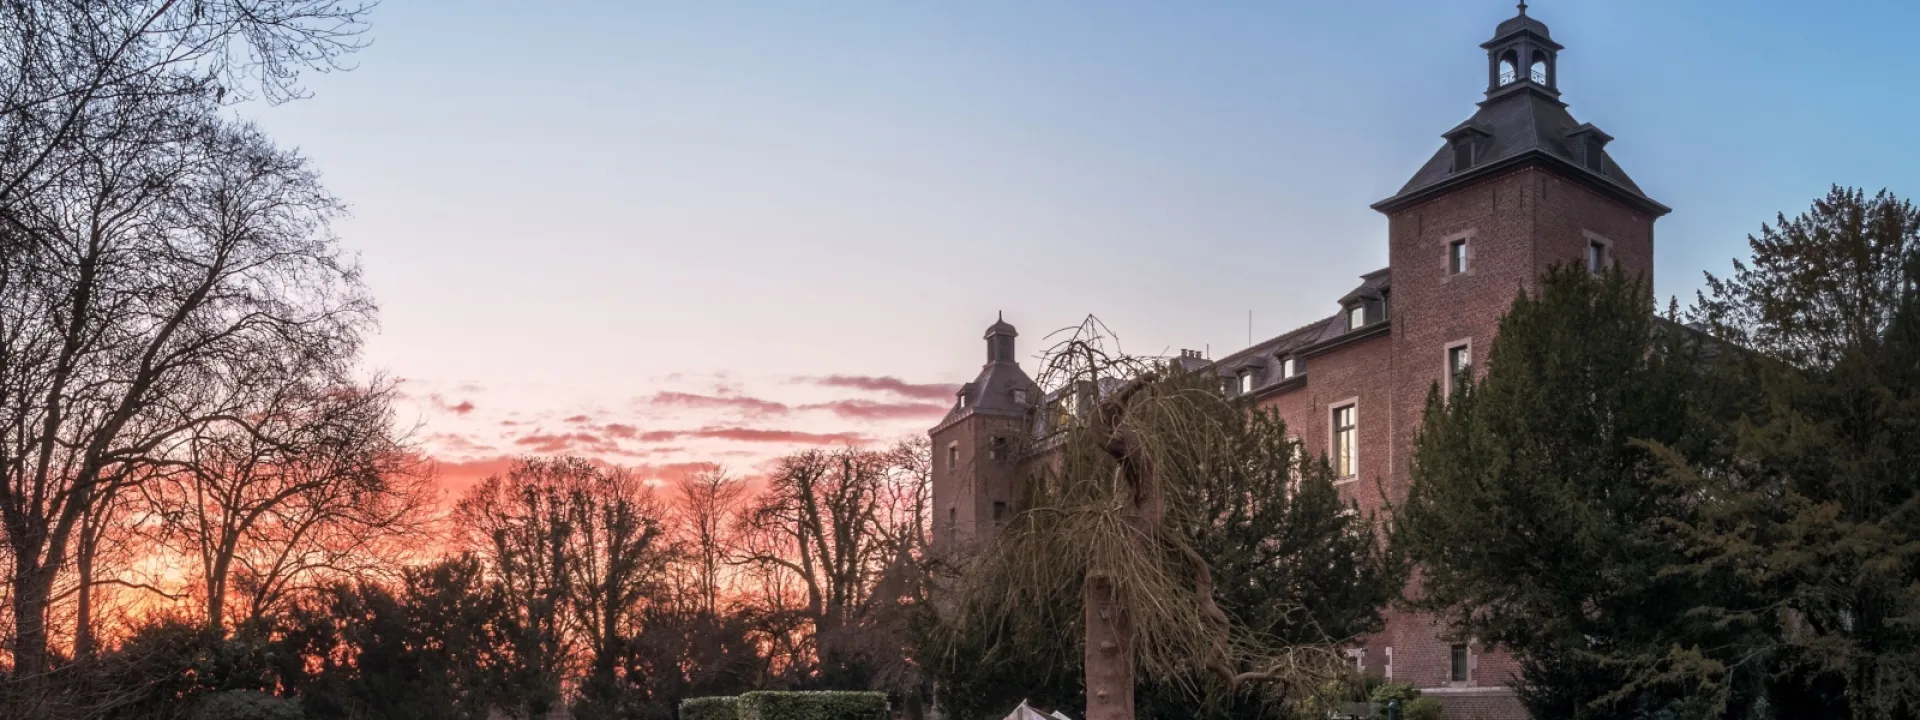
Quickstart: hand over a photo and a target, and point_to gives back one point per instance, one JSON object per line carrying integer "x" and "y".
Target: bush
{"x": 1420, "y": 708}
{"x": 1412, "y": 706}
{"x": 813, "y": 706}
{"x": 710, "y": 708}
{"x": 1395, "y": 691}
{"x": 247, "y": 705}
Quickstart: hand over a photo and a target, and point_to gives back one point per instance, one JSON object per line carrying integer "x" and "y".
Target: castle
{"x": 1516, "y": 188}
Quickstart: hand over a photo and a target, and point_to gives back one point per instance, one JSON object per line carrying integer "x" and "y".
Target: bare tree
{"x": 74, "y": 74}
{"x": 707, "y": 502}
{"x": 140, "y": 285}
{"x": 827, "y": 521}
{"x": 298, "y": 496}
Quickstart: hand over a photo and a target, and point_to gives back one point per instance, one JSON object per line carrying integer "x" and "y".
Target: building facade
{"x": 1518, "y": 187}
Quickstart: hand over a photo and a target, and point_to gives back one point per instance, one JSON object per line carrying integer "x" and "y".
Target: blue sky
{"x": 567, "y": 208}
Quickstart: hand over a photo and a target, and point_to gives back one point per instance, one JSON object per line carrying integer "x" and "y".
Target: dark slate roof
{"x": 1523, "y": 123}
{"x": 992, "y": 392}
{"x": 1001, "y": 327}
{"x": 1264, "y": 355}
{"x": 1521, "y": 23}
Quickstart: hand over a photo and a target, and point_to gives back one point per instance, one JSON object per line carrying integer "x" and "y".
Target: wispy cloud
{"x": 756, "y": 435}
{"x": 888, "y": 384}
{"x": 742, "y": 403}
{"x": 874, "y": 410}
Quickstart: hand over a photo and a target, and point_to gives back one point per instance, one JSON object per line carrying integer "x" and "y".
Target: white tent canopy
{"x": 1025, "y": 712}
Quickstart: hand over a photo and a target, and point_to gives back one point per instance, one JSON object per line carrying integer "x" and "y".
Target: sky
{"x": 666, "y": 233}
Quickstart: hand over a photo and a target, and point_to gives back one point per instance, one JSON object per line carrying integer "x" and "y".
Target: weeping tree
{"x": 1107, "y": 518}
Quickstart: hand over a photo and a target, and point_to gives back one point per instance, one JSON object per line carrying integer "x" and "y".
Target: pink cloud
{"x": 756, "y": 435}
{"x": 872, "y": 410}
{"x": 751, "y": 405}
{"x": 460, "y": 408}
{"x": 917, "y": 391}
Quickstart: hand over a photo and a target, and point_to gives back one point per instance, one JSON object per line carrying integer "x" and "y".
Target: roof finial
{"x": 1000, "y": 315}
{"x": 1523, "y": 7}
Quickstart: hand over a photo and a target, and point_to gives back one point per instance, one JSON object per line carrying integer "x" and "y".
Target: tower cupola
{"x": 1000, "y": 337}
{"x": 1522, "y": 56}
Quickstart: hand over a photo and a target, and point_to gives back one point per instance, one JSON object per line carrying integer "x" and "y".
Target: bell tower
{"x": 1518, "y": 187}
{"x": 1521, "y": 57}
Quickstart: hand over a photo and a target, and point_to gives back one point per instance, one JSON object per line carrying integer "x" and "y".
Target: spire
{"x": 1523, "y": 8}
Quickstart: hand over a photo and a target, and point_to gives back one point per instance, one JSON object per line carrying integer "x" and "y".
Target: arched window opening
{"x": 1509, "y": 66}
{"x": 1539, "y": 71}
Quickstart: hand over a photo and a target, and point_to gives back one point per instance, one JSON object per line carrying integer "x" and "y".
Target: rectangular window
{"x": 1287, "y": 368}
{"x": 1246, "y": 382}
{"x": 1344, "y": 431}
{"x": 1459, "y": 363}
{"x": 1596, "y": 257}
{"x": 953, "y": 518}
{"x": 953, "y": 457}
{"x": 1457, "y": 257}
{"x": 1458, "y": 671}
{"x": 1356, "y": 316}
{"x": 999, "y": 513}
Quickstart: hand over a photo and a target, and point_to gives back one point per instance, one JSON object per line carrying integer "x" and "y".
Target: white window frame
{"x": 1605, "y": 245}
{"x": 1289, "y": 368}
{"x": 1246, "y": 381}
{"x": 1358, "y": 656}
{"x": 1447, "y": 372}
{"x": 1459, "y": 257}
{"x": 1357, "y": 315}
{"x": 1333, "y": 440}
{"x": 1470, "y": 661}
{"x": 1466, "y": 238}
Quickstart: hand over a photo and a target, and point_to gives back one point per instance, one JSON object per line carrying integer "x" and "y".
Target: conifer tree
{"x": 1814, "y": 514}
{"x": 1536, "y": 508}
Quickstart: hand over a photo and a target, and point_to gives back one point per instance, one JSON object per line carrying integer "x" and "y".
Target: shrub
{"x": 247, "y": 705}
{"x": 1412, "y": 706}
{"x": 1421, "y": 708}
{"x": 710, "y": 708}
{"x": 813, "y": 706}
{"x": 1395, "y": 691}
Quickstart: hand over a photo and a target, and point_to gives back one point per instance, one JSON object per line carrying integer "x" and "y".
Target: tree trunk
{"x": 1109, "y": 652}
{"x": 83, "y": 615}
{"x": 32, "y": 586}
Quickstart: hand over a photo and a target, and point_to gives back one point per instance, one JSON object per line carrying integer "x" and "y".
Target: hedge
{"x": 710, "y": 708}
{"x": 813, "y": 706}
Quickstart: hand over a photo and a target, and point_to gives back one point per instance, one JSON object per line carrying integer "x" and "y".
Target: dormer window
{"x": 1467, "y": 140}
{"x": 1591, "y": 143}
{"x": 963, "y": 400}
{"x": 1246, "y": 382}
{"x": 1019, "y": 396}
{"x": 1357, "y": 316}
{"x": 1288, "y": 368}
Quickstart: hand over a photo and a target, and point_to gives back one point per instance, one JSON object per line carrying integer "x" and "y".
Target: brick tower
{"x": 1517, "y": 188}
{"x": 974, "y": 471}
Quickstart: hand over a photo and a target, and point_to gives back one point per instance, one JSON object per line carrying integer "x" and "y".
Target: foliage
{"x": 1536, "y": 505}
{"x": 247, "y": 705}
{"x": 813, "y": 705}
{"x": 710, "y": 708}
{"x": 1813, "y": 514}
{"x": 1237, "y": 581}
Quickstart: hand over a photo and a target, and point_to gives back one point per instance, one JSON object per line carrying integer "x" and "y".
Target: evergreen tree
{"x": 1814, "y": 515}
{"x": 1537, "y": 513}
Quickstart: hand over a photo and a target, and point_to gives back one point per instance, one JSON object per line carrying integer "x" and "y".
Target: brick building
{"x": 1519, "y": 186}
